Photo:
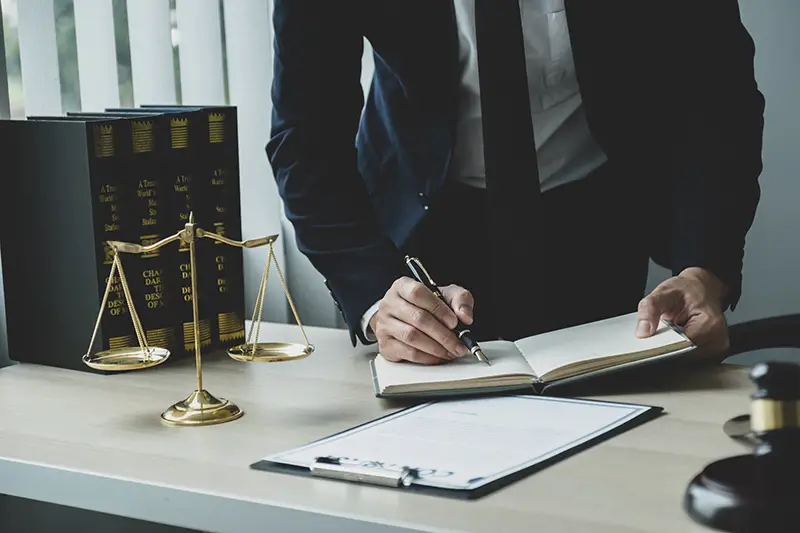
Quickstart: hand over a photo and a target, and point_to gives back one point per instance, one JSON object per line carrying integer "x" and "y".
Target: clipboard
{"x": 368, "y": 454}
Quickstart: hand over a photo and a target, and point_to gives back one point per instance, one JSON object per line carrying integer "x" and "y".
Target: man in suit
{"x": 534, "y": 154}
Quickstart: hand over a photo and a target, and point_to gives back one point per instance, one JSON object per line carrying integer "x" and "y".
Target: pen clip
{"x": 416, "y": 264}
{"x": 371, "y": 473}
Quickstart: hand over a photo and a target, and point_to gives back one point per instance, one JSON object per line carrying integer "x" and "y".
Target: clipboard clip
{"x": 374, "y": 473}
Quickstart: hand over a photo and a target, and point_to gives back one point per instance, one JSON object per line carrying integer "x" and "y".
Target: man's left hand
{"x": 692, "y": 300}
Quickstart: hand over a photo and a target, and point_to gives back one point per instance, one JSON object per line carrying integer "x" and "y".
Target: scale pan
{"x": 122, "y": 359}
{"x": 270, "y": 352}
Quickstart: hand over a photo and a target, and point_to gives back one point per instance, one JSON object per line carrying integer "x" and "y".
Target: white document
{"x": 465, "y": 444}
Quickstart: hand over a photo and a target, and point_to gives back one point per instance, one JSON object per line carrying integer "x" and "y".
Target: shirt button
{"x": 425, "y": 207}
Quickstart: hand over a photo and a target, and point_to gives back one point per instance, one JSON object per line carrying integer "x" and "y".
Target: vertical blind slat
{"x": 152, "y": 65}
{"x": 39, "y": 57}
{"x": 200, "y": 51}
{"x": 97, "y": 54}
{"x": 248, "y": 32}
{"x": 5, "y": 111}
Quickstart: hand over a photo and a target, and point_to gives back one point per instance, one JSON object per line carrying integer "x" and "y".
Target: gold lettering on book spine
{"x": 231, "y": 326}
{"x": 143, "y": 139}
{"x": 216, "y": 127}
{"x": 108, "y": 199}
{"x": 103, "y": 141}
{"x": 204, "y": 325}
{"x": 179, "y": 132}
{"x": 147, "y": 196}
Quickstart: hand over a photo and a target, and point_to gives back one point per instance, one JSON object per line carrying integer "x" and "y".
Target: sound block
{"x": 745, "y": 494}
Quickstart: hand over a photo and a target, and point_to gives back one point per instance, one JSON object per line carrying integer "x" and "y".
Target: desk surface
{"x": 96, "y": 442}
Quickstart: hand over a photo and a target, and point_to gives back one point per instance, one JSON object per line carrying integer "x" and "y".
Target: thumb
{"x": 460, "y": 300}
{"x": 652, "y": 307}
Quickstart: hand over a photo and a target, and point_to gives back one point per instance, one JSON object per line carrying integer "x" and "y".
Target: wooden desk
{"x": 95, "y": 442}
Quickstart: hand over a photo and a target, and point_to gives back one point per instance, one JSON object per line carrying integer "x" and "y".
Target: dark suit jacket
{"x": 669, "y": 92}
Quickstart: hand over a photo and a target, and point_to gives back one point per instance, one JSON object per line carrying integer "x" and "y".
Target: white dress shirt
{"x": 565, "y": 149}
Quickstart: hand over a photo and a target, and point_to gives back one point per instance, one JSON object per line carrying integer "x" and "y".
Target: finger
{"x": 708, "y": 332}
{"x": 420, "y": 319}
{"x": 461, "y": 301}
{"x": 412, "y": 336}
{"x": 651, "y": 307}
{"x": 417, "y": 294}
{"x": 396, "y": 351}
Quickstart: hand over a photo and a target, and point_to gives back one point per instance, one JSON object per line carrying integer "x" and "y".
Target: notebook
{"x": 535, "y": 363}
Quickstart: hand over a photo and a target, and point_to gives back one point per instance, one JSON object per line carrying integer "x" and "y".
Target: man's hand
{"x": 692, "y": 300}
{"x": 414, "y": 325}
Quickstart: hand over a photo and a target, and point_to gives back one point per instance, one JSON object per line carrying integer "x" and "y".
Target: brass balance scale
{"x": 200, "y": 408}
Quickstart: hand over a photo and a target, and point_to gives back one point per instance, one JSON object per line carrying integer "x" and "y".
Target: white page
{"x": 464, "y": 444}
{"x": 613, "y": 336}
{"x": 504, "y": 358}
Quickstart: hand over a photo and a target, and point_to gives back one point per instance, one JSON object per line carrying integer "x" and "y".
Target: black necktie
{"x": 512, "y": 175}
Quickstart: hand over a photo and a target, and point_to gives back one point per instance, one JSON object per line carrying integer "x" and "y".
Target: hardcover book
{"x": 534, "y": 364}
{"x": 66, "y": 198}
{"x": 217, "y": 158}
{"x": 131, "y": 175}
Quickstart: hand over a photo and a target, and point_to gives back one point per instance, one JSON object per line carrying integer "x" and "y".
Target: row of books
{"x": 76, "y": 181}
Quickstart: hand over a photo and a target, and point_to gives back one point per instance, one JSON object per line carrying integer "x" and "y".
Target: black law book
{"x": 156, "y": 286}
{"x": 65, "y": 196}
{"x": 189, "y": 192}
{"x": 218, "y": 166}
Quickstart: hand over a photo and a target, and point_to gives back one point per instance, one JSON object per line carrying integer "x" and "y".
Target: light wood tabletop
{"x": 96, "y": 442}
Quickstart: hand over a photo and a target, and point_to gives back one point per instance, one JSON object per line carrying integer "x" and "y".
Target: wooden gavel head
{"x": 775, "y": 409}
{"x": 756, "y": 492}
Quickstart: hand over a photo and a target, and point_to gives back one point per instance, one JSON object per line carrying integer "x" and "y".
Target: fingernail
{"x": 464, "y": 310}
{"x": 643, "y": 329}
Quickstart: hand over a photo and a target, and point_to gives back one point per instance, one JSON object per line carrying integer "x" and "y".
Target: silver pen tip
{"x": 481, "y": 357}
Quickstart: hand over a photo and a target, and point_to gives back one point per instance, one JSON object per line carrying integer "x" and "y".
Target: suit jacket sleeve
{"x": 717, "y": 152}
{"x": 317, "y": 100}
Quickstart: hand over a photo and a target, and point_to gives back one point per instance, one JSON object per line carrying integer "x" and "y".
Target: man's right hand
{"x": 414, "y": 325}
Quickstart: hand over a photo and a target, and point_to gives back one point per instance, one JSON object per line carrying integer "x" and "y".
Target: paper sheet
{"x": 610, "y": 337}
{"x": 467, "y": 443}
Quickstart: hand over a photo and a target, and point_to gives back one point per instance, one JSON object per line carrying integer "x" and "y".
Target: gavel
{"x": 757, "y": 492}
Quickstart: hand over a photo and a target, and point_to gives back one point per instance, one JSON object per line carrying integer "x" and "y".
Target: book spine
{"x": 147, "y": 183}
{"x": 228, "y": 298}
{"x": 186, "y": 195}
{"x": 110, "y": 154}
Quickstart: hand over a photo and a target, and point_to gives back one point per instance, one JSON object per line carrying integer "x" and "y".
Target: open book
{"x": 533, "y": 363}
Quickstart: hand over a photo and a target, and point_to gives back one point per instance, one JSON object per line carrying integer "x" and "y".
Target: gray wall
{"x": 772, "y": 256}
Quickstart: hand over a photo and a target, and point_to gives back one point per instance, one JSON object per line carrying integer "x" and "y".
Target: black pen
{"x": 464, "y": 334}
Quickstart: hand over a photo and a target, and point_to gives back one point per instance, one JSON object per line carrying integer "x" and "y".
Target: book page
{"x": 468, "y": 443}
{"x": 504, "y": 356}
{"x": 606, "y": 338}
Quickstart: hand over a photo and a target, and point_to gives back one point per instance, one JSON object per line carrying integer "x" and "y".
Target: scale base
{"x": 739, "y": 494}
{"x": 201, "y": 409}
{"x": 270, "y": 352}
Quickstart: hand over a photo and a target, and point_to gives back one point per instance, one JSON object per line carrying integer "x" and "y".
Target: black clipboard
{"x": 373, "y": 473}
